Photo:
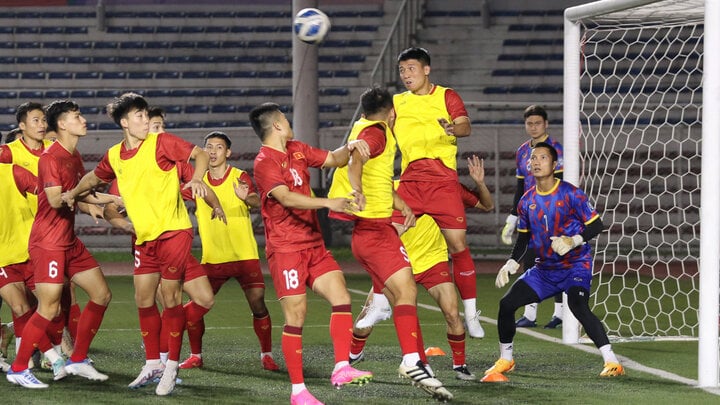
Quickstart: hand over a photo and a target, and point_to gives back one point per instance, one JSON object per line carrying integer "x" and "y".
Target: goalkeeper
{"x": 555, "y": 220}
{"x": 536, "y": 125}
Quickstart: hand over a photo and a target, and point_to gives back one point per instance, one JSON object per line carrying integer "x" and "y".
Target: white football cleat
{"x": 472, "y": 322}
{"x": 423, "y": 379}
{"x": 167, "y": 381}
{"x": 147, "y": 375}
{"x": 373, "y": 315}
{"x": 84, "y": 369}
{"x": 25, "y": 379}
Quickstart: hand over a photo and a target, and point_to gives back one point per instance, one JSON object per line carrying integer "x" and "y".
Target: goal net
{"x": 640, "y": 134}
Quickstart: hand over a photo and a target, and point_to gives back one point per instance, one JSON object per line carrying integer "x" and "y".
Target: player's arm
{"x": 407, "y": 212}
{"x": 86, "y": 184}
{"x": 355, "y": 172}
{"x": 196, "y": 184}
{"x": 476, "y": 167}
{"x": 459, "y": 125}
{"x": 213, "y": 201}
{"x": 513, "y": 263}
{"x": 563, "y": 244}
{"x": 290, "y": 199}
{"x": 114, "y": 214}
{"x": 242, "y": 191}
{"x": 341, "y": 156}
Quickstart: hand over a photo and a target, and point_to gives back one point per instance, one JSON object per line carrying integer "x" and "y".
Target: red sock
{"x": 405, "y": 319}
{"x": 421, "y": 344}
{"x": 19, "y": 322}
{"x": 341, "y": 331}
{"x": 73, "y": 320}
{"x": 464, "y": 274}
{"x": 195, "y": 325}
{"x": 35, "y": 329}
{"x": 357, "y": 344}
{"x": 164, "y": 336}
{"x": 174, "y": 321}
{"x": 457, "y": 345}
{"x": 263, "y": 330}
{"x": 55, "y": 330}
{"x": 292, "y": 350}
{"x": 150, "y": 331}
{"x": 90, "y": 320}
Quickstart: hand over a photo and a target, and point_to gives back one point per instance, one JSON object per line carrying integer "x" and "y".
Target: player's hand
{"x": 68, "y": 199}
{"x": 198, "y": 187}
{"x": 358, "y": 199}
{"x": 361, "y": 146}
{"x": 563, "y": 244}
{"x": 449, "y": 127}
{"x": 509, "y": 229}
{"x": 218, "y": 213}
{"x": 409, "y": 217}
{"x": 342, "y": 204}
{"x": 503, "y": 277}
{"x": 96, "y": 212}
{"x": 241, "y": 188}
{"x": 476, "y": 167}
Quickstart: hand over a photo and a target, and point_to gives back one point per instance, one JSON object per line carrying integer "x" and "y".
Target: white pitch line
{"x": 626, "y": 362}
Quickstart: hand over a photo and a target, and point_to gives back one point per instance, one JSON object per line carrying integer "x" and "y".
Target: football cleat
{"x": 4, "y": 366}
{"x": 373, "y": 315}
{"x": 349, "y": 375}
{"x": 525, "y": 323}
{"x": 58, "y": 368}
{"x": 554, "y": 323}
{"x": 84, "y": 369}
{"x": 612, "y": 369}
{"x": 462, "y": 373}
{"x": 423, "y": 379}
{"x": 194, "y": 361}
{"x": 25, "y": 379}
{"x": 304, "y": 398}
{"x": 475, "y": 330}
{"x": 501, "y": 366}
{"x": 268, "y": 363}
{"x": 167, "y": 381}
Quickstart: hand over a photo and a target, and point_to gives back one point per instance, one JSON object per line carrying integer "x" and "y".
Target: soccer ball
{"x": 311, "y": 25}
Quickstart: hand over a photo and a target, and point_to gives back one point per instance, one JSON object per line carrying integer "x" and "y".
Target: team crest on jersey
{"x": 460, "y": 219}
{"x": 172, "y": 269}
{"x": 283, "y": 165}
{"x": 560, "y": 204}
{"x": 532, "y": 206}
{"x": 298, "y": 155}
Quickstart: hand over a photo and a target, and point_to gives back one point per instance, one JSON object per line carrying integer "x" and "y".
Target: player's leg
{"x": 294, "y": 309}
{"x": 463, "y": 268}
{"x": 446, "y": 297}
{"x": 529, "y": 318}
{"x": 519, "y": 294}
{"x": 331, "y": 286}
{"x": 202, "y": 299}
{"x": 361, "y": 335}
{"x": 146, "y": 284}
{"x": 94, "y": 284}
{"x": 578, "y": 298}
{"x": 13, "y": 293}
{"x": 556, "y": 319}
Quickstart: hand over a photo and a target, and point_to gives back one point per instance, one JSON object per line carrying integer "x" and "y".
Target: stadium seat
{"x": 157, "y": 92}
{"x": 28, "y": 45}
{"x": 157, "y": 44}
{"x": 113, "y": 75}
{"x": 53, "y": 60}
{"x": 182, "y": 93}
{"x": 26, "y": 29}
{"x": 87, "y": 75}
{"x": 28, "y": 60}
{"x": 31, "y": 94}
{"x": 167, "y": 75}
{"x": 196, "y": 109}
{"x": 105, "y": 45}
{"x": 82, "y": 94}
{"x": 173, "y": 109}
{"x": 80, "y": 45}
{"x": 222, "y": 108}
{"x": 76, "y": 30}
{"x": 142, "y": 29}
{"x": 167, "y": 29}
{"x": 108, "y": 93}
{"x": 207, "y": 92}
{"x": 191, "y": 29}
{"x": 7, "y": 110}
{"x": 194, "y": 75}
{"x": 8, "y": 94}
{"x": 132, "y": 45}
{"x": 140, "y": 75}
{"x": 33, "y": 75}
{"x": 52, "y": 30}
{"x": 60, "y": 75}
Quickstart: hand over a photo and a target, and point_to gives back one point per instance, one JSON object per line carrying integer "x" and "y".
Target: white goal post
{"x": 641, "y": 107}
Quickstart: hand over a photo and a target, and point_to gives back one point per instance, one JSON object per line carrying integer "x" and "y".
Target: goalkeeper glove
{"x": 510, "y": 267}
{"x": 564, "y": 244}
{"x": 508, "y": 229}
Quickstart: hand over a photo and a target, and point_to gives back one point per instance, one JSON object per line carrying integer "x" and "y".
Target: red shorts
{"x": 292, "y": 271}
{"x": 435, "y": 275}
{"x": 171, "y": 257}
{"x": 53, "y": 266}
{"x": 246, "y": 272}
{"x": 12, "y": 273}
{"x": 441, "y": 200}
{"x": 377, "y": 247}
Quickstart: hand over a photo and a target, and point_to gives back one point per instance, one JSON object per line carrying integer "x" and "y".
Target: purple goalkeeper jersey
{"x": 522, "y": 162}
{"x": 565, "y": 210}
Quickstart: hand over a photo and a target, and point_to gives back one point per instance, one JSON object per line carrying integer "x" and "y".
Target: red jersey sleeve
{"x": 105, "y": 172}
{"x": 314, "y": 156}
{"x": 113, "y": 189}
{"x": 5, "y": 154}
{"x": 375, "y": 138}
{"x": 268, "y": 175}
{"x": 248, "y": 180}
{"x": 454, "y": 104}
{"x": 24, "y": 179}
{"x": 49, "y": 172}
{"x": 185, "y": 172}
{"x": 173, "y": 148}
{"x": 469, "y": 198}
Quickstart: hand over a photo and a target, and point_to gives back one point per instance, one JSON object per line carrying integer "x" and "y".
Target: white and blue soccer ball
{"x": 311, "y": 25}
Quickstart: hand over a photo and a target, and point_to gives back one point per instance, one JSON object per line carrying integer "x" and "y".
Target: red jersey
{"x": 54, "y": 229}
{"x": 288, "y": 229}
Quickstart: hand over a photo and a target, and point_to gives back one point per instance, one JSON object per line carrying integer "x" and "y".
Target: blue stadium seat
{"x": 232, "y": 93}
{"x": 33, "y": 75}
{"x": 28, "y": 45}
{"x": 25, "y": 29}
{"x": 28, "y": 60}
{"x": 7, "y": 30}
{"x": 196, "y": 109}
{"x": 82, "y": 94}
{"x": 9, "y": 75}
{"x": 167, "y": 75}
{"x": 194, "y": 75}
{"x": 258, "y": 92}
{"x": 84, "y": 60}
{"x": 198, "y": 14}
{"x": 252, "y": 58}
{"x": 108, "y": 93}
{"x": 155, "y": 60}
{"x": 222, "y": 108}
{"x": 142, "y": 29}
{"x": 282, "y": 44}
{"x": 52, "y": 30}
{"x": 140, "y": 75}
{"x": 7, "y": 44}
{"x": 54, "y": 60}
{"x": 271, "y": 74}
{"x": 217, "y": 29}
{"x": 57, "y": 94}
{"x": 234, "y": 44}
{"x": 7, "y": 60}
{"x": 209, "y": 44}
{"x": 132, "y": 45}
{"x": 60, "y": 75}
{"x": 80, "y": 45}
{"x": 107, "y": 125}
{"x": 253, "y": 44}
{"x": 167, "y": 29}
{"x": 87, "y": 75}
{"x": 157, "y": 44}
{"x": 32, "y": 94}
{"x": 329, "y": 108}
{"x": 113, "y": 75}
{"x": 207, "y": 93}
{"x": 286, "y": 92}
{"x": 346, "y": 73}
{"x": 265, "y": 28}
{"x": 241, "y": 29}
{"x": 219, "y": 75}
{"x": 245, "y": 74}
{"x": 105, "y": 45}
{"x": 188, "y": 124}
{"x": 55, "y": 45}
{"x": 9, "y": 94}
{"x": 6, "y": 127}
{"x": 192, "y": 29}
{"x": 157, "y": 93}
{"x": 114, "y": 29}
{"x": 76, "y": 30}
{"x": 334, "y": 92}
{"x": 182, "y": 93}
{"x": 7, "y": 110}
{"x": 182, "y": 44}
